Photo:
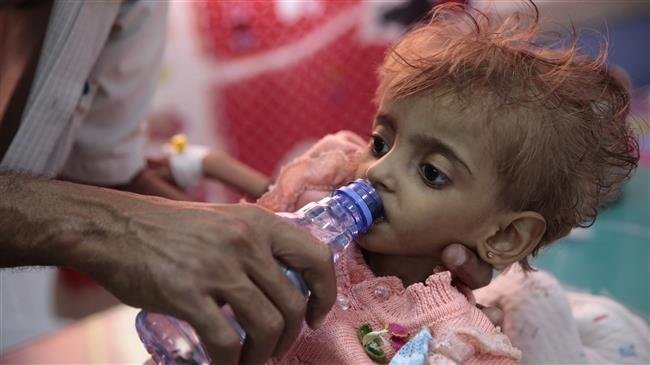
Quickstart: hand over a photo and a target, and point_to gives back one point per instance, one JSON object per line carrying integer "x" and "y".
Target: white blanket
{"x": 554, "y": 326}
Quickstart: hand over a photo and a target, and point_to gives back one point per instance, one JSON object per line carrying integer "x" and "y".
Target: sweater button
{"x": 343, "y": 301}
{"x": 381, "y": 292}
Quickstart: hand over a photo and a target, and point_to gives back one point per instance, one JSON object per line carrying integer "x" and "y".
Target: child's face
{"x": 431, "y": 166}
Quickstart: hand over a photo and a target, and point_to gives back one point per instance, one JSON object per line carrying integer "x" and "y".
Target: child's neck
{"x": 409, "y": 269}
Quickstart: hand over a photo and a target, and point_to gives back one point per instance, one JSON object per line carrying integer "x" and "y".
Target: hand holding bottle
{"x": 335, "y": 220}
{"x": 186, "y": 260}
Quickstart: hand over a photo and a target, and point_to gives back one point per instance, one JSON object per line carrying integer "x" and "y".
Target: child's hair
{"x": 556, "y": 118}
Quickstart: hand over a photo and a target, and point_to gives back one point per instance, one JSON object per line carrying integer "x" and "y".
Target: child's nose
{"x": 380, "y": 176}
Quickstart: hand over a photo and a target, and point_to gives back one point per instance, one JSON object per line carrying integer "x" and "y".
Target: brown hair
{"x": 562, "y": 147}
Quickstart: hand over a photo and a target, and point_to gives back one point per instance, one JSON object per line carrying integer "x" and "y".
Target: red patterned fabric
{"x": 265, "y": 116}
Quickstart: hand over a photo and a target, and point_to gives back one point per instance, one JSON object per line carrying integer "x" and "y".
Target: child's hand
{"x": 475, "y": 273}
{"x": 163, "y": 170}
{"x": 155, "y": 179}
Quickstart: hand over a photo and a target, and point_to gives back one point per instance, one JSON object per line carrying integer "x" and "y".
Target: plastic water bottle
{"x": 335, "y": 220}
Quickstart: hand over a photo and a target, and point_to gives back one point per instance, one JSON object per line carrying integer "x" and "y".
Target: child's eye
{"x": 432, "y": 176}
{"x": 378, "y": 146}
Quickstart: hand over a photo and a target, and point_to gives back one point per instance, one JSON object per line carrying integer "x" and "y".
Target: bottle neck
{"x": 354, "y": 210}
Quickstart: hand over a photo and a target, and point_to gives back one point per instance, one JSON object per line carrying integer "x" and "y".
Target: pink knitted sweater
{"x": 461, "y": 333}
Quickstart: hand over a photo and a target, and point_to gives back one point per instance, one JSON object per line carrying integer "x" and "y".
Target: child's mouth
{"x": 381, "y": 219}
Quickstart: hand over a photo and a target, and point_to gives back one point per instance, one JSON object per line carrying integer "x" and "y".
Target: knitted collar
{"x": 353, "y": 272}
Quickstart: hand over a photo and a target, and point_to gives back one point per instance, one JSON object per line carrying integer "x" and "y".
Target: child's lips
{"x": 382, "y": 219}
{"x": 384, "y": 216}
{"x": 384, "y": 212}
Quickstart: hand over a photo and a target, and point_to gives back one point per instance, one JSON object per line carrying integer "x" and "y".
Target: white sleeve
{"x": 538, "y": 318}
{"x": 109, "y": 136}
{"x": 554, "y": 326}
{"x": 610, "y": 332}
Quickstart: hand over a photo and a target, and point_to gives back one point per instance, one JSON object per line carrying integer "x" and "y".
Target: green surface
{"x": 613, "y": 256}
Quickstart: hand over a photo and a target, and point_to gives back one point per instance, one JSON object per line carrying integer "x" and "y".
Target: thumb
{"x": 466, "y": 266}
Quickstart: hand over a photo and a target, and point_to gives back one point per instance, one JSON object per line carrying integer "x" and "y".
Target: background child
{"x": 484, "y": 135}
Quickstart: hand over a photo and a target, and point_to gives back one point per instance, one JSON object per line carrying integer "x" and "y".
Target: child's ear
{"x": 520, "y": 234}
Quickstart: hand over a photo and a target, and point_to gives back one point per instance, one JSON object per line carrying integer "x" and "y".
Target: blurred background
{"x": 263, "y": 80}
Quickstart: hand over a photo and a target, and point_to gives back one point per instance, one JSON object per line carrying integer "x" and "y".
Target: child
{"x": 483, "y": 137}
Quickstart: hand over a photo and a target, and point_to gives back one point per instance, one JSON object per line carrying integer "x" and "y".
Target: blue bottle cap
{"x": 365, "y": 197}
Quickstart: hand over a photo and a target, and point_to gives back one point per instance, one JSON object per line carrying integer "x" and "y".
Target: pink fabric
{"x": 330, "y": 163}
{"x": 461, "y": 332}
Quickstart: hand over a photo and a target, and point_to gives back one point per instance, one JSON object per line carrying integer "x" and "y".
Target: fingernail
{"x": 459, "y": 258}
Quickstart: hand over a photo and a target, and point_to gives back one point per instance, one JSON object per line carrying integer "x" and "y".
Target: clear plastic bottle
{"x": 335, "y": 220}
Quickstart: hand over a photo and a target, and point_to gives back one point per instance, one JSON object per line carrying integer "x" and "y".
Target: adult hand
{"x": 475, "y": 273}
{"x": 178, "y": 258}
{"x": 184, "y": 259}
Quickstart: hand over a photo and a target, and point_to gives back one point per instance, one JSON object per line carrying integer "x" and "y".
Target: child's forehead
{"x": 439, "y": 113}
{"x": 422, "y": 121}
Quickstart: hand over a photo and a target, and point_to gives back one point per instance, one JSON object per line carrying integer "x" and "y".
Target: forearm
{"x": 57, "y": 223}
{"x": 224, "y": 168}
